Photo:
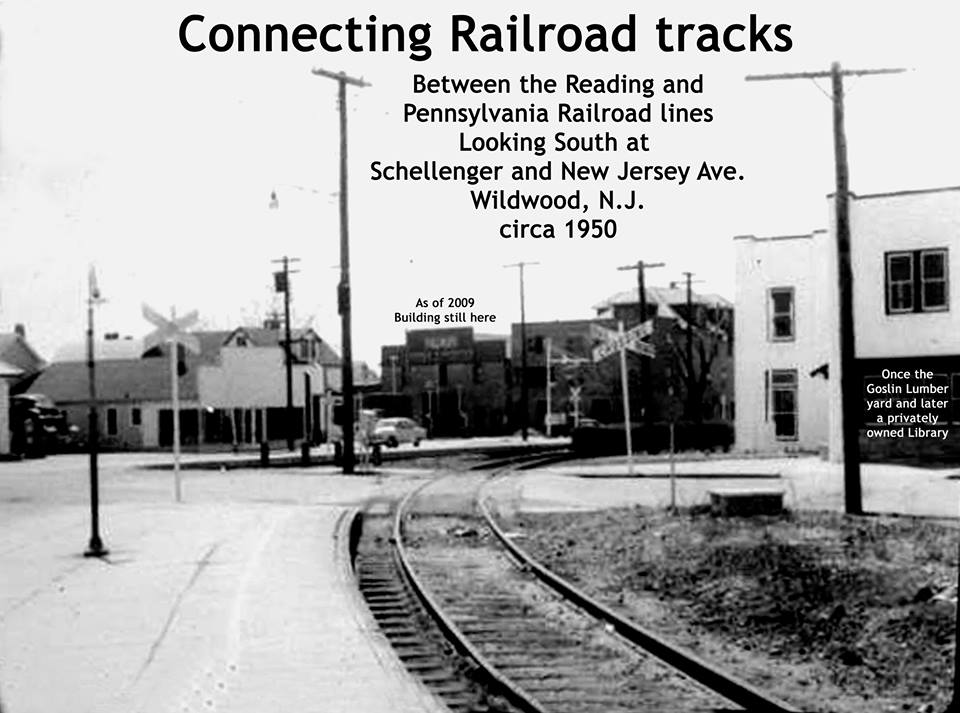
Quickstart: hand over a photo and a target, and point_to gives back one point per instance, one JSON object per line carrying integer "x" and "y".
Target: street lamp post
{"x": 95, "y": 547}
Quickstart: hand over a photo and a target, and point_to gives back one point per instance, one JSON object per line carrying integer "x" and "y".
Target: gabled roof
{"x": 210, "y": 343}
{"x": 127, "y": 348}
{"x": 117, "y": 380}
{"x": 11, "y": 343}
{"x": 130, "y": 348}
{"x": 268, "y": 337}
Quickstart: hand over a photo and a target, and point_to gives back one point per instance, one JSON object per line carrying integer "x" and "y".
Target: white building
{"x": 906, "y": 311}
{"x": 8, "y": 372}
{"x": 781, "y": 342}
{"x": 233, "y": 391}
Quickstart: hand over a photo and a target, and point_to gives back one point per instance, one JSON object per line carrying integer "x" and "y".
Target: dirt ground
{"x": 828, "y": 612}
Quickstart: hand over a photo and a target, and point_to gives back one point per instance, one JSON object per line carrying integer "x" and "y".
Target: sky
{"x": 119, "y": 148}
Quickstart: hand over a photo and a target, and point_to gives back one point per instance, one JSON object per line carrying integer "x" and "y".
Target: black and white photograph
{"x": 482, "y": 358}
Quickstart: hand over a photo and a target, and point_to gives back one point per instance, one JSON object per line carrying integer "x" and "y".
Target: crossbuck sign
{"x": 619, "y": 341}
{"x": 172, "y": 331}
{"x": 631, "y": 339}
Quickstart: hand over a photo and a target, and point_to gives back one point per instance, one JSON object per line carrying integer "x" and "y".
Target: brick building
{"x": 456, "y": 382}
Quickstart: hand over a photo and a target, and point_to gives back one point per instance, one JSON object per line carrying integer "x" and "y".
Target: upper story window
{"x": 916, "y": 281}
{"x": 781, "y": 314}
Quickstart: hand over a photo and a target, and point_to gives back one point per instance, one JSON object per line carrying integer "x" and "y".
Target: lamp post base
{"x": 95, "y": 548}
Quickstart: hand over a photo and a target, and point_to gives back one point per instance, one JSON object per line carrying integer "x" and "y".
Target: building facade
{"x": 785, "y": 318}
{"x": 906, "y": 305}
{"x": 232, "y": 392}
{"x": 454, "y": 382}
{"x": 906, "y": 313}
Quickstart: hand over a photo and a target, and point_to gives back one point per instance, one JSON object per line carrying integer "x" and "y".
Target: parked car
{"x": 397, "y": 430}
{"x": 37, "y": 426}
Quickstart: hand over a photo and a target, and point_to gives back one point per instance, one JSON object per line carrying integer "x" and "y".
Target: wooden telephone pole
{"x": 524, "y": 393}
{"x": 343, "y": 289}
{"x": 641, "y": 267}
{"x": 851, "y": 398}
{"x": 282, "y": 284}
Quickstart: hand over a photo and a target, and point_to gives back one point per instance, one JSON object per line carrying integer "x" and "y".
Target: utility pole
{"x": 691, "y": 375}
{"x": 95, "y": 547}
{"x": 281, "y": 281}
{"x": 524, "y": 396}
{"x": 343, "y": 289}
{"x": 850, "y": 396}
{"x": 640, "y": 267}
{"x": 689, "y": 279}
{"x": 549, "y": 386}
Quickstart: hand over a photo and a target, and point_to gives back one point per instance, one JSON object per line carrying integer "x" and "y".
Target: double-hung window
{"x": 916, "y": 281}
{"x": 781, "y": 314}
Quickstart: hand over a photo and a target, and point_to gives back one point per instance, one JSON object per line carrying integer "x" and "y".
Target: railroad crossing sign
{"x": 631, "y": 339}
{"x": 171, "y": 330}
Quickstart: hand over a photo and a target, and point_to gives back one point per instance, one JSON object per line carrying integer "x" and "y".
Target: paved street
{"x": 234, "y": 600}
{"x": 237, "y": 598}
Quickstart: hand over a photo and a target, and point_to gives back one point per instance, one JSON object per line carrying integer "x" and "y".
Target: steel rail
{"x": 494, "y": 679}
{"x": 727, "y": 685}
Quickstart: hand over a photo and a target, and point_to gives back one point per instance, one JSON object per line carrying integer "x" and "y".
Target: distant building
{"x": 691, "y": 375}
{"x": 8, "y": 374}
{"x": 20, "y": 365}
{"x": 580, "y": 388}
{"x": 455, "y": 382}
{"x": 16, "y": 352}
{"x": 233, "y": 391}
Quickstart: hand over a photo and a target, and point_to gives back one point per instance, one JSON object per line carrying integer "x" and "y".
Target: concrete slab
{"x": 246, "y": 607}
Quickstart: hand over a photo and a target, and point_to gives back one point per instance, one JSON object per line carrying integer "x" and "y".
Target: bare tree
{"x": 695, "y": 342}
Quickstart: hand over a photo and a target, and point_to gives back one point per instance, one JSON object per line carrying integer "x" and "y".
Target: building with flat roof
{"x": 906, "y": 314}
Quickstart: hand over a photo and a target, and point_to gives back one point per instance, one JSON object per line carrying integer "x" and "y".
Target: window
{"x": 916, "y": 281}
{"x": 781, "y": 314}
{"x": 783, "y": 393}
{"x": 135, "y": 417}
{"x": 112, "y": 422}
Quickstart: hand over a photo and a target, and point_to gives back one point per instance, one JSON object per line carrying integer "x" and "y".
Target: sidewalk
{"x": 245, "y": 607}
{"x": 807, "y": 483}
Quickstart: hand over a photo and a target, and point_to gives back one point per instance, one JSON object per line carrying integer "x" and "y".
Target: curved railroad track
{"x": 489, "y": 629}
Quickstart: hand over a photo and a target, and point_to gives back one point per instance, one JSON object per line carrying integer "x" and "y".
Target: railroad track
{"x": 477, "y": 623}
